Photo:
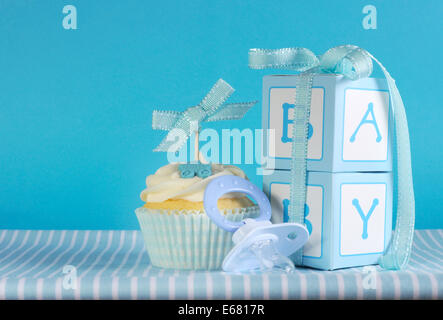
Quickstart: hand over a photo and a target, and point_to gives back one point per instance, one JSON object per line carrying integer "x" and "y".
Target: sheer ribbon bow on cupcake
{"x": 181, "y": 125}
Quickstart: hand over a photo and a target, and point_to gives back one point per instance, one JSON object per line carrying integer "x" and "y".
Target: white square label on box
{"x": 281, "y": 113}
{"x": 313, "y": 214}
{"x": 365, "y": 125}
{"x": 362, "y": 218}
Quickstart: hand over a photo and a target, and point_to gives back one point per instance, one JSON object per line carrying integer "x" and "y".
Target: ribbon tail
{"x": 164, "y": 120}
{"x": 297, "y": 200}
{"x": 177, "y": 136}
{"x": 399, "y": 250}
{"x": 232, "y": 111}
{"x": 168, "y": 121}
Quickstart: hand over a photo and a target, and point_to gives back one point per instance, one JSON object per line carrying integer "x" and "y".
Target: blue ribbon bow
{"x": 211, "y": 108}
{"x": 353, "y": 63}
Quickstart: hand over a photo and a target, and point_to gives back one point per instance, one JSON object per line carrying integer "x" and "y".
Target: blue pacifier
{"x": 259, "y": 244}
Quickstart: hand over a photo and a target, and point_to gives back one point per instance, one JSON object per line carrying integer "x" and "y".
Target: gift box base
{"x": 337, "y": 206}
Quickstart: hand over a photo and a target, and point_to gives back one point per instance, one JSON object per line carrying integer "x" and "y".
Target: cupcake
{"x": 177, "y": 232}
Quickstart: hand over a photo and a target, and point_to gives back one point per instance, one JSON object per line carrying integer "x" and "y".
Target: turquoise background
{"x": 75, "y": 105}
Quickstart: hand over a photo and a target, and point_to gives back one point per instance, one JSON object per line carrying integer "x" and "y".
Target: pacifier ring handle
{"x": 229, "y": 183}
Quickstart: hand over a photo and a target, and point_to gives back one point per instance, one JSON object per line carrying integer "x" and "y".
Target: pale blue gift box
{"x": 344, "y": 136}
{"x": 337, "y": 237}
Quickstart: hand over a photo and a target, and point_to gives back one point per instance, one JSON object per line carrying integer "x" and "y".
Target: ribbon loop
{"x": 164, "y": 120}
{"x": 196, "y": 113}
{"x": 350, "y": 61}
{"x": 298, "y": 59}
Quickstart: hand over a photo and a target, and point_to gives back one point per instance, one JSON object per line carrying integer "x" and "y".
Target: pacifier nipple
{"x": 270, "y": 258}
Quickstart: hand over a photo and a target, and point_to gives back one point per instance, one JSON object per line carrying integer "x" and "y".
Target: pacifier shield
{"x": 286, "y": 238}
{"x": 259, "y": 244}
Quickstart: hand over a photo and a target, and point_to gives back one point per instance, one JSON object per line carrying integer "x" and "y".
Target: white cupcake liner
{"x": 187, "y": 239}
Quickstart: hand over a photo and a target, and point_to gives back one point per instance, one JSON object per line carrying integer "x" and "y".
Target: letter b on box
{"x": 349, "y": 127}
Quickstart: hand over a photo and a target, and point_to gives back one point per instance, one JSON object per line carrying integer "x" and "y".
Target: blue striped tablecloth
{"x": 114, "y": 265}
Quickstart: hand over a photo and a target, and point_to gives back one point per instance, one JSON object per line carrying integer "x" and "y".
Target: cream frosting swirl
{"x": 166, "y": 184}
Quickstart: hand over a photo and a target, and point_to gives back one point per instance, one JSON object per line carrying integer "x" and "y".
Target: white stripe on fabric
{"x": 62, "y": 238}
{"x": 429, "y": 233}
{"x": 284, "y": 287}
{"x": 116, "y": 252}
{"x": 15, "y": 251}
{"x": 78, "y": 290}
{"x": 434, "y": 286}
{"x": 134, "y": 288}
{"x": 247, "y": 287}
{"x": 429, "y": 252}
{"x": 10, "y": 243}
{"x": 39, "y": 261}
{"x": 72, "y": 258}
{"x": 340, "y": 286}
{"x": 58, "y": 289}
{"x": 102, "y": 253}
{"x": 96, "y": 288}
{"x": 378, "y": 287}
{"x": 24, "y": 264}
{"x": 3, "y": 288}
{"x": 396, "y": 282}
{"x": 152, "y": 288}
{"x": 2, "y": 236}
{"x": 303, "y": 287}
{"x": 413, "y": 266}
{"x": 417, "y": 262}
{"x": 37, "y": 240}
{"x": 39, "y": 289}
{"x": 90, "y": 252}
{"x": 48, "y": 267}
{"x": 190, "y": 285}
{"x": 125, "y": 259}
{"x": 266, "y": 292}
{"x": 114, "y": 288}
{"x": 228, "y": 287}
{"x": 209, "y": 286}
{"x": 321, "y": 286}
{"x": 137, "y": 262}
{"x": 171, "y": 288}
{"x": 431, "y": 277}
{"x": 415, "y": 285}
{"x": 418, "y": 266}
{"x": 433, "y": 281}
{"x": 426, "y": 244}
{"x": 21, "y": 289}
{"x": 96, "y": 280}
{"x": 428, "y": 261}
{"x": 359, "y": 285}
